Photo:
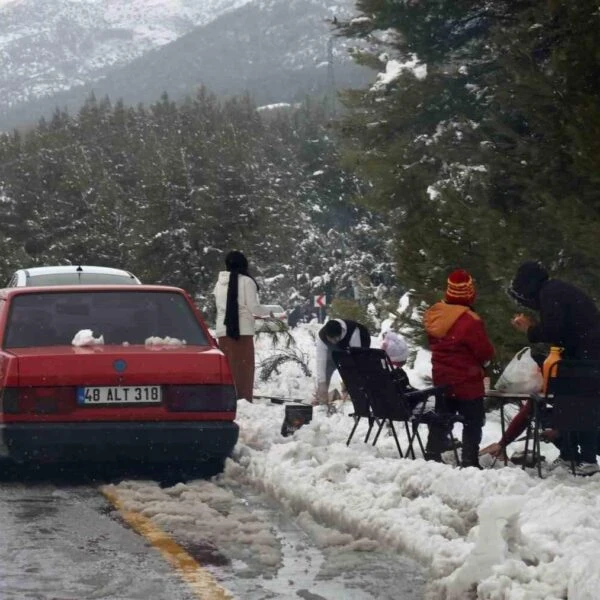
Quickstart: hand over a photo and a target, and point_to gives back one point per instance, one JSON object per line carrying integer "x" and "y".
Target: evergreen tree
{"x": 476, "y": 155}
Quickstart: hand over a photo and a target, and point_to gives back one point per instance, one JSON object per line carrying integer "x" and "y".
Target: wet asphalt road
{"x": 61, "y": 540}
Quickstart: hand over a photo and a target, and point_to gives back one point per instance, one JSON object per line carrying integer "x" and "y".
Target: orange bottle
{"x": 548, "y": 368}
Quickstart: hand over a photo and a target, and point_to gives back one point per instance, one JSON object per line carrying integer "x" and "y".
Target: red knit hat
{"x": 460, "y": 288}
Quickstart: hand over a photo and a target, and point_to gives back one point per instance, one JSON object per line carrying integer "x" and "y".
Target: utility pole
{"x": 331, "y": 94}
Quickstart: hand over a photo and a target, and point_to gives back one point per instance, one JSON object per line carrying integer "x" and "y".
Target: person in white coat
{"x": 236, "y": 297}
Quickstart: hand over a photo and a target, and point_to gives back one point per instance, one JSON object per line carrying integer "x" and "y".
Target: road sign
{"x": 321, "y": 301}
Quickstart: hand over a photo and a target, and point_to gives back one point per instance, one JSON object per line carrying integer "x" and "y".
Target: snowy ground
{"x": 500, "y": 533}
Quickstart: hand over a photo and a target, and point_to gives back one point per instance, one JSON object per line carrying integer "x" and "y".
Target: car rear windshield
{"x": 80, "y": 279}
{"x": 53, "y": 318}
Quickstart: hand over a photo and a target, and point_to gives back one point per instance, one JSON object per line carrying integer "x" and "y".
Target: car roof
{"x": 67, "y": 268}
{"x": 48, "y": 270}
{"x": 7, "y": 293}
{"x": 274, "y": 307}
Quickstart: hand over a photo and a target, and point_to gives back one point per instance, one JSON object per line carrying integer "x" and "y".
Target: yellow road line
{"x": 203, "y": 584}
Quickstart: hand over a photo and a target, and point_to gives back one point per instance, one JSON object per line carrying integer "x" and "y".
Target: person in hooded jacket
{"x": 236, "y": 297}
{"x": 569, "y": 318}
{"x": 460, "y": 350}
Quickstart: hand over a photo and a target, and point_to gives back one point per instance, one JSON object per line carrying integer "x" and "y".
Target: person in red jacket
{"x": 460, "y": 350}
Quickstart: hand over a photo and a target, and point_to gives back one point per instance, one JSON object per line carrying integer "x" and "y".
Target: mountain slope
{"x": 276, "y": 50}
{"x": 53, "y": 45}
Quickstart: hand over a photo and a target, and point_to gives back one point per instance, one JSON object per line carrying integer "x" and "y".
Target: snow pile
{"x": 166, "y": 341}
{"x": 85, "y": 337}
{"x": 201, "y": 513}
{"x": 502, "y": 531}
{"x": 498, "y": 528}
{"x": 395, "y": 68}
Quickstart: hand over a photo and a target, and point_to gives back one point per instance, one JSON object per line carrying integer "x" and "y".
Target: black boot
{"x": 435, "y": 443}
{"x": 434, "y": 456}
{"x": 470, "y": 452}
{"x": 474, "y": 417}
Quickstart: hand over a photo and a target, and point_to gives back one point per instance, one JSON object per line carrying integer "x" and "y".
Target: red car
{"x": 111, "y": 372}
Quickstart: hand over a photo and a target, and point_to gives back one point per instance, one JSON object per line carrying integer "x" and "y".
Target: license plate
{"x": 128, "y": 394}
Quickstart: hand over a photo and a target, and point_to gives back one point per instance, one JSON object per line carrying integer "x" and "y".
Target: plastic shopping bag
{"x": 522, "y": 375}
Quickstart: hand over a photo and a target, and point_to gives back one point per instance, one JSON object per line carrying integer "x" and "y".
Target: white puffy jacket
{"x": 247, "y": 301}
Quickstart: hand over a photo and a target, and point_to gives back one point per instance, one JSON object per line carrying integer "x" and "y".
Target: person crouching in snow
{"x": 336, "y": 334}
{"x": 460, "y": 349}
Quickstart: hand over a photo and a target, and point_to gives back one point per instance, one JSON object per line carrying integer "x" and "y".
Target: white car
{"x": 71, "y": 275}
{"x": 277, "y": 322}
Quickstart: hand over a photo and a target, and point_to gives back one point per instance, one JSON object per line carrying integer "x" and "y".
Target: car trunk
{"x": 118, "y": 383}
{"x": 119, "y": 365}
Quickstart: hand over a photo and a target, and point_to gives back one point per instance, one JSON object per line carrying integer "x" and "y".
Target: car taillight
{"x": 37, "y": 400}
{"x": 209, "y": 398}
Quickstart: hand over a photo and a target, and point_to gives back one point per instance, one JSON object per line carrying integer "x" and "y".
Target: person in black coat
{"x": 569, "y": 318}
{"x": 295, "y": 316}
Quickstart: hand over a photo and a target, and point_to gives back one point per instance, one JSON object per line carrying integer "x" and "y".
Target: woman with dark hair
{"x": 236, "y": 297}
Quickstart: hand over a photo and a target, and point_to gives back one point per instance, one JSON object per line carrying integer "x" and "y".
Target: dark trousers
{"x": 579, "y": 446}
{"x": 473, "y": 414}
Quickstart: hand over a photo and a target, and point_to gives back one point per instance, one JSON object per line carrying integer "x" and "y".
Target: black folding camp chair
{"x": 369, "y": 374}
{"x": 357, "y": 390}
{"x": 573, "y": 396}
